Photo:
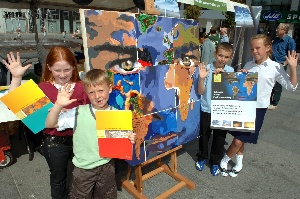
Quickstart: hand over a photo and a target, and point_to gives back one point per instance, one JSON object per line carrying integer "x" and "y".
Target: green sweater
{"x": 85, "y": 140}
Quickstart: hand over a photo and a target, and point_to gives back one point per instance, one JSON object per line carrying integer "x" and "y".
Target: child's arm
{"x": 16, "y": 70}
{"x": 292, "y": 60}
{"x": 63, "y": 99}
{"x": 203, "y": 72}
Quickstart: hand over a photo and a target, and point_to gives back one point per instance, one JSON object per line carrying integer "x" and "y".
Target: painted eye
{"x": 186, "y": 61}
{"x": 127, "y": 65}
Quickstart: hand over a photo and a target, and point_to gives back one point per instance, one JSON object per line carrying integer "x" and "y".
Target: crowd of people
{"x": 70, "y": 124}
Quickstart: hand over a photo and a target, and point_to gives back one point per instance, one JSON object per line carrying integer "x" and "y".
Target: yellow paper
{"x": 217, "y": 77}
{"x": 114, "y": 120}
{"x": 4, "y": 88}
{"x": 23, "y": 96}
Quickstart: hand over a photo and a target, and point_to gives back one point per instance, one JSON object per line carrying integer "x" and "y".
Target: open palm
{"x": 15, "y": 66}
{"x": 202, "y": 70}
{"x": 64, "y": 95}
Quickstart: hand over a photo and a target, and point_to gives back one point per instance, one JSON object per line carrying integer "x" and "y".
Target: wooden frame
{"x": 135, "y": 188}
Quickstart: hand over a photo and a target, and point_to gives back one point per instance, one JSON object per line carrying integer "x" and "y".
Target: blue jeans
{"x": 58, "y": 151}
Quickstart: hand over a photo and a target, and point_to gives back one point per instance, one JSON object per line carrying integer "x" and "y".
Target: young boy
{"x": 222, "y": 54}
{"x": 93, "y": 176}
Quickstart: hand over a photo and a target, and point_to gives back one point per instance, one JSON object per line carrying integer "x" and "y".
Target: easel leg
{"x": 138, "y": 178}
{"x": 136, "y": 191}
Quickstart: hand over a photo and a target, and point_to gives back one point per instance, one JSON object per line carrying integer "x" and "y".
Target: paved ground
{"x": 271, "y": 168}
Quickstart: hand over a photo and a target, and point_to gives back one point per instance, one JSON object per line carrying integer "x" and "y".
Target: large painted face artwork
{"x": 152, "y": 61}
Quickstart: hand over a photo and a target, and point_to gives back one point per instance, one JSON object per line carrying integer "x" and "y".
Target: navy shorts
{"x": 251, "y": 137}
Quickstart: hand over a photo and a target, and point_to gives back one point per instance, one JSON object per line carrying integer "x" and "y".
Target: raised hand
{"x": 219, "y": 70}
{"x": 243, "y": 70}
{"x": 15, "y": 66}
{"x": 292, "y": 59}
{"x": 202, "y": 70}
{"x": 64, "y": 95}
{"x": 132, "y": 137}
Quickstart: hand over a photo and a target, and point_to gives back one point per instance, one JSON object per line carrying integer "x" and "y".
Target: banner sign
{"x": 280, "y": 16}
{"x": 243, "y": 17}
{"x": 233, "y": 102}
{"x": 212, "y": 5}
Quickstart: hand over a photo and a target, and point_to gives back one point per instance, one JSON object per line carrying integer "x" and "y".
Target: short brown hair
{"x": 225, "y": 46}
{"x": 96, "y": 77}
{"x": 213, "y": 30}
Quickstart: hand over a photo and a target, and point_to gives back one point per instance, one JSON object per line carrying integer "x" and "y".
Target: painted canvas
{"x": 152, "y": 63}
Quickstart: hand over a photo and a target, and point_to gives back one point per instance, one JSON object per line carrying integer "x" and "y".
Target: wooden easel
{"x": 135, "y": 188}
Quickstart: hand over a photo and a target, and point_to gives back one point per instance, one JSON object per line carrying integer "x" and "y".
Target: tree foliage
{"x": 192, "y": 12}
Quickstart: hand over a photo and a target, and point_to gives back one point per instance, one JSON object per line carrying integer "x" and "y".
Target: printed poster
{"x": 243, "y": 17}
{"x": 233, "y": 103}
{"x": 113, "y": 128}
{"x": 29, "y": 104}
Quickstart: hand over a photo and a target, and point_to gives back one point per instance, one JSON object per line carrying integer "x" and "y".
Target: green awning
{"x": 280, "y": 16}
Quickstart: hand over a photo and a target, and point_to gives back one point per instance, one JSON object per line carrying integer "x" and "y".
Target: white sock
{"x": 224, "y": 162}
{"x": 239, "y": 162}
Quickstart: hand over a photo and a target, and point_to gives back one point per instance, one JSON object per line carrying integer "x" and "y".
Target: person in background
{"x": 214, "y": 37}
{"x": 269, "y": 72}
{"x": 60, "y": 69}
{"x": 280, "y": 46}
{"x": 222, "y": 54}
{"x": 223, "y": 34}
{"x": 93, "y": 176}
{"x": 207, "y": 48}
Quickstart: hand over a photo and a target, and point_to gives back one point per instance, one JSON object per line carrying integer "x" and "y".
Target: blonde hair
{"x": 266, "y": 40}
{"x": 96, "y": 77}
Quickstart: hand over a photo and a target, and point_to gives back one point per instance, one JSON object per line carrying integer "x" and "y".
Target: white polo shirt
{"x": 268, "y": 73}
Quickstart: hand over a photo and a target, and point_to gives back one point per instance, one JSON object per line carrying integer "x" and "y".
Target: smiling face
{"x": 99, "y": 95}
{"x": 222, "y": 57}
{"x": 62, "y": 72}
{"x": 259, "y": 50}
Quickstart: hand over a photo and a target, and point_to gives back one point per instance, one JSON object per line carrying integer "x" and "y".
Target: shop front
{"x": 270, "y": 19}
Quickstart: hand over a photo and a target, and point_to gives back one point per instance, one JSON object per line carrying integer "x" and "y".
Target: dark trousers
{"x": 276, "y": 92}
{"x": 58, "y": 151}
{"x": 217, "y": 147}
{"x": 96, "y": 183}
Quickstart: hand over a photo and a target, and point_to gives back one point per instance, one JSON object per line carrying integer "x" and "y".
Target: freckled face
{"x": 62, "y": 72}
{"x": 99, "y": 95}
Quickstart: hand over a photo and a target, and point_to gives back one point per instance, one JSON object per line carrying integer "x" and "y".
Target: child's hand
{"x": 132, "y": 137}
{"x": 15, "y": 66}
{"x": 63, "y": 96}
{"x": 219, "y": 70}
{"x": 202, "y": 70}
{"x": 243, "y": 70}
{"x": 292, "y": 59}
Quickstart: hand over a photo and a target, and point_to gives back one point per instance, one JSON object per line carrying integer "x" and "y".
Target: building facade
{"x": 54, "y": 20}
